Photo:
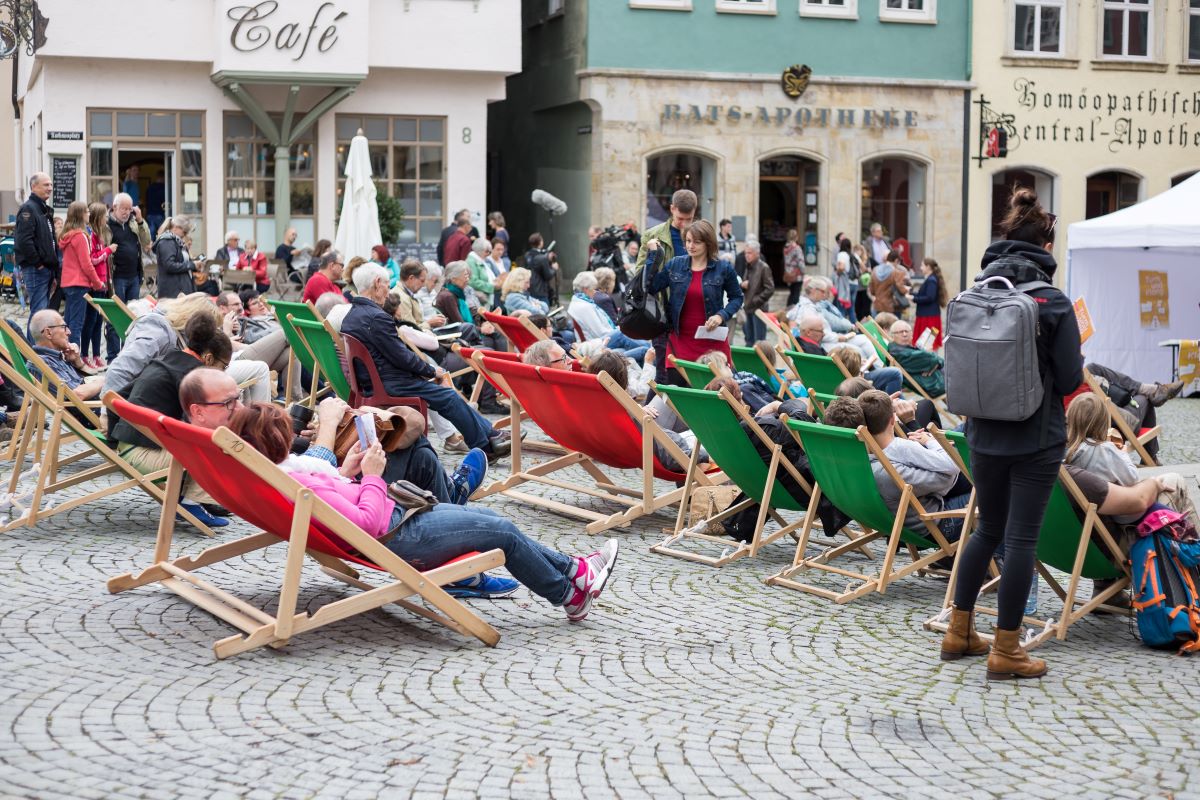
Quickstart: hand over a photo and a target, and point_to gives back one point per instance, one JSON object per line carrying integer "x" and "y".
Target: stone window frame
{"x": 926, "y": 15}
{"x": 1190, "y": 11}
{"x": 764, "y": 7}
{"x": 1065, "y": 29}
{"x": 1154, "y": 27}
{"x": 822, "y": 8}
{"x": 662, "y": 5}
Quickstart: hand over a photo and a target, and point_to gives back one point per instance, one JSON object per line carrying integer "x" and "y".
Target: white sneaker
{"x": 591, "y": 575}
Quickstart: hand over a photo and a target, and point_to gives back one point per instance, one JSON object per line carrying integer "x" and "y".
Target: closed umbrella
{"x": 358, "y": 227}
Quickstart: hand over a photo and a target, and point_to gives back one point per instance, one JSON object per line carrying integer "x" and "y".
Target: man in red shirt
{"x": 323, "y": 279}
{"x": 459, "y": 243}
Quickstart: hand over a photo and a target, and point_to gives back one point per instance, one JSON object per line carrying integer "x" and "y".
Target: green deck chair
{"x": 299, "y": 353}
{"x": 696, "y": 374}
{"x": 840, "y": 461}
{"x": 747, "y": 359}
{"x": 318, "y": 340}
{"x": 875, "y": 333}
{"x": 715, "y": 418}
{"x": 115, "y": 313}
{"x": 817, "y": 373}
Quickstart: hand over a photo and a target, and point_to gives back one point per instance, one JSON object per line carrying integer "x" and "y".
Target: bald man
{"x": 51, "y": 341}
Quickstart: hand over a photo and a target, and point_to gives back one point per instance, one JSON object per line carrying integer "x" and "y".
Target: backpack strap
{"x": 1032, "y": 286}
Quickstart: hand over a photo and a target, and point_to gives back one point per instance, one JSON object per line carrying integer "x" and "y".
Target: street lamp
{"x": 21, "y": 22}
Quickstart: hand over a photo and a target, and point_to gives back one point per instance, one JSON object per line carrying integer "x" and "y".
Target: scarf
{"x": 463, "y": 308}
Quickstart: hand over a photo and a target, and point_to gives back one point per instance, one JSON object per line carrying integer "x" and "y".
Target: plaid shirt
{"x": 54, "y": 359}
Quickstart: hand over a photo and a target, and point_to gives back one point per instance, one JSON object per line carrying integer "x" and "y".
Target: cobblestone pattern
{"x": 685, "y": 681}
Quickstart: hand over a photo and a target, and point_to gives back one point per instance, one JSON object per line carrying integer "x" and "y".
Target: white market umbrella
{"x": 358, "y": 227}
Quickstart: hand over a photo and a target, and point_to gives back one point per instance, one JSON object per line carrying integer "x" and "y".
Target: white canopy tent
{"x": 1104, "y": 257}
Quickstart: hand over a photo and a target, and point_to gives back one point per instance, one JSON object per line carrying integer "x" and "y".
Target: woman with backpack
{"x": 1015, "y": 463}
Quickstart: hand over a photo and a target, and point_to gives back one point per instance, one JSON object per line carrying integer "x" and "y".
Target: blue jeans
{"x": 447, "y": 531}
{"x": 37, "y": 288}
{"x": 449, "y": 403}
{"x": 633, "y": 348}
{"x": 952, "y": 528}
{"x": 128, "y": 289}
{"x": 76, "y": 311}
{"x": 886, "y": 379}
{"x": 754, "y": 329}
{"x": 93, "y": 326}
{"x": 849, "y": 312}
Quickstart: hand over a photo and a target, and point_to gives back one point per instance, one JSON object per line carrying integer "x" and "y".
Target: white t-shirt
{"x": 843, "y": 260}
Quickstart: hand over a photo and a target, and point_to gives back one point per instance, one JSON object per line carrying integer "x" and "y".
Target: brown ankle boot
{"x": 961, "y": 639}
{"x": 1009, "y": 660}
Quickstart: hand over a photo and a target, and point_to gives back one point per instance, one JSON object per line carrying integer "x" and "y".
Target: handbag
{"x": 899, "y": 301}
{"x": 644, "y": 317}
{"x": 410, "y": 497}
{"x": 397, "y": 428}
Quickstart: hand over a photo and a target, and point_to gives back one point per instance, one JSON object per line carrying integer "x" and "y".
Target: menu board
{"x": 64, "y": 172}
{"x": 422, "y": 251}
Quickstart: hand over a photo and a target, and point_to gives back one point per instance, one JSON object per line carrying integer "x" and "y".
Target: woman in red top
{"x": 78, "y": 274}
{"x": 99, "y": 251}
{"x": 257, "y": 260}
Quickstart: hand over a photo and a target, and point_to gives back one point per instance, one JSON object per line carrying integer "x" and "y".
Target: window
{"x": 842, "y": 9}
{"x": 662, "y": 5}
{"x": 249, "y": 203}
{"x": 667, "y": 173}
{"x": 1193, "y": 31}
{"x": 1037, "y": 27}
{"x": 1178, "y": 179}
{"x": 1006, "y": 182}
{"x": 893, "y": 194}
{"x": 1127, "y": 28}
{"x": 746, "y": 6}
{"x": 908, "y": 11}
{"x": 1111, "y": 191}
{"x": 408, "y": 160}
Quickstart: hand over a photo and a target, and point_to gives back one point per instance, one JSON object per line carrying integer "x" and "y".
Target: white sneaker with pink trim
{"x": 591, "y": 575}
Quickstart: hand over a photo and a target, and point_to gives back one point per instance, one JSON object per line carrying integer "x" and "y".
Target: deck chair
{"x": 817, "y": 373}
{"x": 748, "y": 359}
{"x": 880, "y": 341}
{"x": 715, "y": 418}
{"x": 594, "y": 420}
{"x": 695, "y": 374}
{"x": 321, "y": 342}
{"x": 1137, "y": 439}
{"x": 840, "y": 461}
{"x": 69, "y": 418}
{"x": 519, "y": 331}
{"x": 284, "y": 283}
{"x": 7, "y": 352}
{"x": 375, "y": 395}
{"x": 1080, "y": 549}
{"x": 249, "y": 485}
{"x": 783, "y": 333}
{"x": 300, "y": 356}
{"x": 114, "y": 312}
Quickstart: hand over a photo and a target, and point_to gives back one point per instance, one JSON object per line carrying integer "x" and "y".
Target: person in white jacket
{"x": 595, "y": 323}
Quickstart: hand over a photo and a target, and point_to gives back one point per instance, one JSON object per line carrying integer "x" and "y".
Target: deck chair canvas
{"x": 1137, "y": 439}
{"x": 840, "y": 461}
{"x": 716, "y": 418}
{"x": 321, "y": 342}
{"x": 11, "y": 356}
{"x": 250, "y": 486}
{"x": 594, "y": 420}
{"x": 879, "y": 339}
{"x": 114, "y": 311}
{"x": 300, "y": 356}
{"x": 519, "y": 331}
{"x": 695, "y": 374}
{"x": 817, "y": 373}
{"x": 1080, "y": 549}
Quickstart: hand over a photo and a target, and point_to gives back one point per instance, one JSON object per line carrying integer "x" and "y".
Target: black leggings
{"x": 1012, "y": 493}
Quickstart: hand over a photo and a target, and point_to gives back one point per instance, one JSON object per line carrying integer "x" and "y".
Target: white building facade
{"x": 238, "y": 113}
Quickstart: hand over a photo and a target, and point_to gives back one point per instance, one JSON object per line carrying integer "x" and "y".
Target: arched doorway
{"x": 788, "y": 197}
{"x": 667, "y": 173}
{"x": 1003, "y": 184}
{"x": 893, "y": 194}
{"x": 1111, "y": 191}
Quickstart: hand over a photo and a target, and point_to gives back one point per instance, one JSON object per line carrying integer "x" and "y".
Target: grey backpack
{"x": 991, "y": 351}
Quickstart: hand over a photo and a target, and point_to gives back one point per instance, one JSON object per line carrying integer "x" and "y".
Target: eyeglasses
{"x": 559, "y": 360}
{"x": 229, "y": 404}
{"x": 52, "y": 327}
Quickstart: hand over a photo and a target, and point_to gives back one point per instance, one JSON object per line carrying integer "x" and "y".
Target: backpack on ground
{"x": 1165, "y": 577}
{"x": 991, "y": 351}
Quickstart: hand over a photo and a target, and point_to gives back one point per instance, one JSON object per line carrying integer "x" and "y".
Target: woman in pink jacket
{"x": 100, "y": 251}
{"x": 78, "y": 274}
{"x": 434, "y": 537}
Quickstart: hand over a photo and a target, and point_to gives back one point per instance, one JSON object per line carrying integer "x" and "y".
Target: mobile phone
{"x": 365, "y": 425}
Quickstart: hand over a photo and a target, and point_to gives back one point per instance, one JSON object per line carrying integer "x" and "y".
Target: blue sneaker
{"x": 199, "y": 513}
{"x": 483, "y": 585}
{"x": 469, "y": 475}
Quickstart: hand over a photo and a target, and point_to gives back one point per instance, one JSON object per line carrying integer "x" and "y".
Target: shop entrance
{"x": 788, "y": 195}
{"x": 147, "y": 176}
{"x": 1111, "y": 191}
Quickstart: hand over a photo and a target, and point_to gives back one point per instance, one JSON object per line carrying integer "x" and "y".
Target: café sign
{"x": 322, "y": 36}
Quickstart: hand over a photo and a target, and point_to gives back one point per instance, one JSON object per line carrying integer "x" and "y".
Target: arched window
{"x": 1111, "y": 191}
{"x": 666, "y": 173}
{"x": 788, "y": 197}
{"x": 1183, "y": 176}
{"x": 893, "y": 194}
{"x": 1003, "y": 184}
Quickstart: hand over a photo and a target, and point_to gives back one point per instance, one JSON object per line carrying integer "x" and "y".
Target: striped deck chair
{"x": 840, "y": 461}
{"x": 597, "y": 423}
{"x": 249, "y": 485}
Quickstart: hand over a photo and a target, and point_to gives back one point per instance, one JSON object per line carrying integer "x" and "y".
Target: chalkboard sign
{"x": 64, "y": 170}
{"x": 422, "y": 251}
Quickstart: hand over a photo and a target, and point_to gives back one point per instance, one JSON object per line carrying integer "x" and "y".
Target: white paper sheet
{"x": 719, "y": 334}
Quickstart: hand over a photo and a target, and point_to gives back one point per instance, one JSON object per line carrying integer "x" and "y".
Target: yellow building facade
{"x": 1094, "y": 103}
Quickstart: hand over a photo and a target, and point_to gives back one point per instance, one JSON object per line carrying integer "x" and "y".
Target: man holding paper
{"x": 703, "y": 293}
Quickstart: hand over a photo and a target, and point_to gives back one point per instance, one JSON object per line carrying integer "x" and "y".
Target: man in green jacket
{"x": 924, "y": 367}
{"x": 670, "y": 233}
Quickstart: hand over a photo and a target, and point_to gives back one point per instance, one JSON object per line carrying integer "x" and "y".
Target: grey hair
{"x": 817, "y": 282}
{"x": 605, "y": 276}
{"x": 183, "y": 223}
{"x": 538, "y": 353}
{"x": 753, "y": 245}
{"x": 366, "y": 274}
{"x": 37, "y": 176}
{"x": 120, "y": 197}
{"x": 327, "y": 301}
{"x": 454, "y": 269}
{"x": 329, "y": 258}
{"x": 433, "y": 268}
{"x": 807, "y": 318}
{"x": 229, "y": 235}
{"x": 584, "y": 281}
{"x": 481, "y": 246}
{"x": 40, "y": 321}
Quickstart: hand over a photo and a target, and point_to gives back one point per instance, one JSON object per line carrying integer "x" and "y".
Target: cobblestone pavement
{"x": 684, "y": 681}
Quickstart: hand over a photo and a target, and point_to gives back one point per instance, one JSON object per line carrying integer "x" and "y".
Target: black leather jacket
{"x": 34, "y": 234}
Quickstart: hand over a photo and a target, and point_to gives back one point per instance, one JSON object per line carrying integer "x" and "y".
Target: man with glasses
{"x": 268, "y": 351}
{"x": 323, "y": 280}
{"x": 51, "y": 341}
{"x": 812, "y": 330}
{"x": 546, "y": 353}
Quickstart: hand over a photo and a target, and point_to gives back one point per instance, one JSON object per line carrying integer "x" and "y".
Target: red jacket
{"x": 457, "y": 247}
{"x": 77, "y": 269}
{"x": 99, "y": 253}
{"x": 260, "y": 266}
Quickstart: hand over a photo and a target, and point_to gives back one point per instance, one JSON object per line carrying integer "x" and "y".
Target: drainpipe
{"x": 966, "y": 148}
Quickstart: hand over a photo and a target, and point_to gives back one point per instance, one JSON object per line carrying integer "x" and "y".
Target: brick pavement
{"x": 684, "y": 681}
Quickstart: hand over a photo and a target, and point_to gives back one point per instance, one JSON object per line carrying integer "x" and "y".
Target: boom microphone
{"x": 549, "y": 202}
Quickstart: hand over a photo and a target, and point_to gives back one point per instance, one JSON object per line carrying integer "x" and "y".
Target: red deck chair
{"x": 593, "y": 419}
{"x": 377, "y": 397}
{"x": 249, "y": 485}
{"x": 518, "y": 330}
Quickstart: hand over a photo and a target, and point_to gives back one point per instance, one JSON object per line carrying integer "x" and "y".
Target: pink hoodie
{"x": 365, "y": 504}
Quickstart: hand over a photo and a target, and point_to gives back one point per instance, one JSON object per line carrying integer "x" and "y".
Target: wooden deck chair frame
{"x": 691, "y": 371}
{"x": 1038, "y": 631}
{"x": 101, "y": 303}
{"x": 793, "y": 368}
{"x": 308, "y": 332}
{"x": 782, "y": 332}
{"x": 259, "y": 628}
{"x": 1138, "y": 440}
{"x": 283, "y": 310}
{"x": 765, "y": 492}
{"x": 502, "y": 321}
{"x": 471, "y": 359}
{"x": 784, "y": 390}
{"x": 637, "y": 503}
{"x": 863, "y": 584}
{"x": 55, "y": 399}
{"x": 19, "y": 424}
{"x": 910, "y": 383}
